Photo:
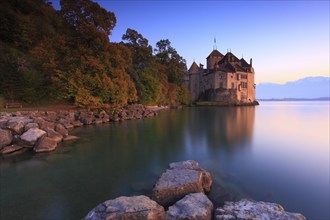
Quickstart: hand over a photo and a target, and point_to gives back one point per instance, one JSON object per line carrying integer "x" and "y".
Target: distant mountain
{"x": 306, "y": 88}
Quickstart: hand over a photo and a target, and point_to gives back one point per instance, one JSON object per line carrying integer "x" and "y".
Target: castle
{"x": 226, "y": 79}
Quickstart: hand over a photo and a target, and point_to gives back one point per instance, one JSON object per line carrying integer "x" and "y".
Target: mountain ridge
{"x": 312, "y": 87}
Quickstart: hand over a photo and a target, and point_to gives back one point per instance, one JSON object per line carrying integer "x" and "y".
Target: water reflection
{"x": 226, "y": 128}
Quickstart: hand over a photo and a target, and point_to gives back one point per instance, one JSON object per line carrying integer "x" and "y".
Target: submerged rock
{"x": 180, "y": 179}
{"x": 247, "y": 209}
{"x": 194, "y": 206}
{"x": 32, "y": 135}
{"x": 70, "y": 138}
{"x": 127, "y": 208}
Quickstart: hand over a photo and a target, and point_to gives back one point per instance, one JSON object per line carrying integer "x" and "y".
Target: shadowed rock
{"x": 16, "y": 124}
{"x": 127, "y": 208}
{"x": 180, "y": 179}
{"x": 32, "y": 135}
{"x": 6, "y": 137}
{"x": 194, "y": 206}
{"x": 30, "y": 125}
{"x": 61, "y": 129}
{"x": 247, "y": 209}
{"x": 54, "y": 135}
{"x": 45, "y": 144}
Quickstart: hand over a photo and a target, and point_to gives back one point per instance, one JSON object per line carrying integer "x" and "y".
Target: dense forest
{"x": 67, "y": 56}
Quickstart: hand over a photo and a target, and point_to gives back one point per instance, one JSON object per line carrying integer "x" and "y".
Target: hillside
{"x": 305, "y": 88}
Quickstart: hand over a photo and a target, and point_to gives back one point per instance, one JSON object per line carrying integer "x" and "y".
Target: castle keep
{"x": 226, "y": 79}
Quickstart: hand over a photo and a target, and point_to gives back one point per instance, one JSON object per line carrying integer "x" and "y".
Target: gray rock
{"x": 247, "y": 209}
{"x": 61, "y": 129}
{"x": 128, "y": 208}
{"x": 180, "y": 179}
{"x": 31, "y": 125}
{"x": 32, "y": 135}
{"x": 6, "y": 137}
{"x": 193, "y": 165}
{"x": 11, "y": 148}
{"x": 194, "y": 206}
{"x": 3, "y": 122}
{"x": 45, "y": 144}
{"x": 46, "y": 124}
{"x": 16, "y": 124}
{"x": 54, "y": 135}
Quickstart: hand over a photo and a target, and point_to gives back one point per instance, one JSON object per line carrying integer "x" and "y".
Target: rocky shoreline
{"x": 42, "y": 131}
{"x": 180, "y": 193}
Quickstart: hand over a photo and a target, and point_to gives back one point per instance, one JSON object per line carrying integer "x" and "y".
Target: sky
{"x": 287, "y": 40}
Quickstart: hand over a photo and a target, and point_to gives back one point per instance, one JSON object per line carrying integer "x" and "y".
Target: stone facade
{"x": 223, "y": 72}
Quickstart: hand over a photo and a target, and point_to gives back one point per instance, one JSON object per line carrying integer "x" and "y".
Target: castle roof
{"x": 230, "y": 63}
{"x": 215, "y": 53}
{"x": 194, "y": 67}
{"x": 244, "y": 63}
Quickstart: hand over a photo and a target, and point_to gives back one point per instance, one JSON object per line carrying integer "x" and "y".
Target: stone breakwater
{"x": 179, "y": 193}
{"x": 42, "y": 131}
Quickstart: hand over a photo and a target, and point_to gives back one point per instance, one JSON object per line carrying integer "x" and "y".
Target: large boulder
{"x": 6, "y": 137}
{"x": 127, "y": 208}
{"x": 180, "y": 179}
{"x": 248, "y": 209}
{"x": 193, "y": 165}
{"x": 194, "y": 206}
{"x": 32, "y": 135}
{"x": 45, "y": 144}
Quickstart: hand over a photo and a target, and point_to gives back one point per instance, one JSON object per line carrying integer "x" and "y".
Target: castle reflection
{"x": 223, "y": 127}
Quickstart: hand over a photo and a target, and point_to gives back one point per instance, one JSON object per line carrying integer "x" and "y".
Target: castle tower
{"x": 212, "y": 60}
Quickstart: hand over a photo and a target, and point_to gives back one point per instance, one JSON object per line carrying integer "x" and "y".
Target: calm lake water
{"x": 276, "y": 152}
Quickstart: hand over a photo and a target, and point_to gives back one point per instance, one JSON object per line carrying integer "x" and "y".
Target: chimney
{"x": 201, "y": 66}
{"x": 251, "y": 62}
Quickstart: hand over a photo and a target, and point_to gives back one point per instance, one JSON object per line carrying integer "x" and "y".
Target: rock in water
{"x": 54, "y": 135}
{"x": 193, "y": 165}
{"x": 10, "y": 149}
{"x": 127, "y": 208}
{"x": 45, "y": 144}
{"x": 32, "y": 135}
{"x": 180, "y": 179}
{"x": 61, "y": 129}
{"x": 194, "y": 206}
{"x": 5, "y": 137}
{"x": 247, "y": 209}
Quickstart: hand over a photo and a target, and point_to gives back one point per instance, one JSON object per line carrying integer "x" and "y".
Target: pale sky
{"x": 287, "y": 40}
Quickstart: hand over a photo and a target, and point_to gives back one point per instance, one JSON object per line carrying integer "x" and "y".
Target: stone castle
{"x": 226, "y": 80}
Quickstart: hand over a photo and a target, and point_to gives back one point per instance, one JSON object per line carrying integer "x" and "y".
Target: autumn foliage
{"x": 48, "y": 55}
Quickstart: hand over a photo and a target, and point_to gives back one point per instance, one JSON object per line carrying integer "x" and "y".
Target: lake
{"x": 276, "y": 152}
